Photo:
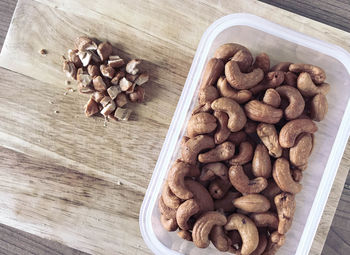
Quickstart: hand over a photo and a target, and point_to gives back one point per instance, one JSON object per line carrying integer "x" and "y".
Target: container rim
{"x": 256, "y": 22}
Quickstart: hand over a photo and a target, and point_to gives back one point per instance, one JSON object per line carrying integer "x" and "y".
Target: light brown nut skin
{"x": 261, "y": 164}
{"x": 202, "y": 108}
{"x": 194, "y": 146}
{"x": 237, "y": 137}
{"x": 228, "y": 50}
{"x": 225, "y": 203}
{"x": 222, "y": 132}
{"x": 245, "y": 154}
{"x": 219, "y": 239}
{"x": 297, "y": 175}
{"x": 262, "y": 61}
{"x": 241, "y": 182}
{"x": 255, "y": 203}
{"x": 265, "y": 219}
{"x": 169, "y": 198}
{"x": 272, "y": 98}
{"x": 209, "y": 171}
{"x": 275, "y": 242}
{"x": 204, "y": 225}
{"x": 184, "y": 234}
{"x": 307, "y": 87}
{"x": 285, "y": 204}
{"x": 176, "y": 179}
{"x": 301, "y": 151}
{"x": 212, "y": 72}
{"x": 207, "y": 95}
{"x": 290, "y": 79}
{"x": 244, "y": 59}
{"x": 168, "y": 212}
{"x": 318, "y": 107}
{"x": 296, "y": 101}
{"x": 225, "y": 90}
{"x": 270, "y": 192}
{"x": 239, "y": 80}
{"x": 258, "y": 111}
{"x": 185, "y": 211}
{"x": 268, "y": 135}
{"x": 169, "y": 224}
{"x": 201, "y": 123}
{"x": 282, "y": 66}
{"x": 317, "y": 74}
{"x": 237, "y": 117}
{"x": 293, "y": 129}
{"x": 247, "y": 230}
{"x": 83, "y": 43}
{"x": 218, "y": 188}
{"x": 104, "y": 50}
{"x": 201, "y": 195}
{"x": 262, "y": 243}
{"x": 283, "y": 177}
{"x": 271, "y": 80}
{"x": 221, "y": 152}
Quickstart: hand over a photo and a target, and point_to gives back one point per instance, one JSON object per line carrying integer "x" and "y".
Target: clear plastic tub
{"x": 281, "y": 44}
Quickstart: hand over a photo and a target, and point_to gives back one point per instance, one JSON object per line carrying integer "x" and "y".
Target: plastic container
{"x": 281, "y": 44}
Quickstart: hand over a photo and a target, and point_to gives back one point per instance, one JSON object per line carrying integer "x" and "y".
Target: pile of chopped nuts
{"x": 108, "y": 78}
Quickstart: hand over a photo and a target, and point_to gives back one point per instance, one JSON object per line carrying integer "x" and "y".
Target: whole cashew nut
{"x": 204, "y": 225}
{"x": 221, "y": 152}
{"x": 225, "y": 203}
{"x": 201, "y": 195}
{"x": 194, "y": 146}
{"x": 237, "y": 137}
{"x": 169, "y": 198}
{"x": 207, "y": 95}
{"x": 261, "y": 164}
{"x": 282, "y": 66}
{"x": 168, "y": 212}
{"x": 262, "y": 61}
{"x": 296, "y": 101}
{"x": 237, "y": 118}
{"x": 301, "y": 151}
{"x": 259, "y": 111}
{"x": 176, "y": 179}
{"x": 169, "y": 224}
{"x": 271, "y": 80}
{"x": 245, "y": 154}
{"x": 265, "y": 219}
{"x": 186, "y": 210}
{"x": 247, "y": 230}
{"x": 308, "y": 88}
{"x": 275, "y": 242}
{"x": 228, "y": 50}
{"x": 244, "y": 60}
{"x": 241, "y": 182}
{"x": 201, "y": 123}
{"x": 218, "y": 188}
{"x": 209, "y": 171}
{"x": 225, "y": 90}
{"x": 293, "y": 129}
{"x": 185, "y": 234}
{"x": 222, "y": 132}
{"x": 316, "y": 73}
{"x": 282, "y": 175}
{"x": 268, "y": 135}
{"x": 219, "y": 239}
{"x": 318, "y": 107}
{"x": 285, "y": 204}
{"x": 239, "y": 80}
{"x": 202, "y": 108}
{"x": 255, "y": 203}
{"x": 272, "y": 98}
{"x": 212, "y": 72}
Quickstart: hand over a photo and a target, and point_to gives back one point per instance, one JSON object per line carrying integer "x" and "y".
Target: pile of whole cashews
{"x": 244, "y": 201}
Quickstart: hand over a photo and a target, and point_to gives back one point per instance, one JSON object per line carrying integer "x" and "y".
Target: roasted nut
{"x": 186, "y": 210}
{"x": 245, "y": 154}
{"x": 222, "y": 132}
{"x": 262, "y": 243}
{"x": 169, "y": 198}
{"x": 293, "y": 129}
{"x": 244, "y": 59}
{"x": 275, "y": 242}
{"x": 209, "y": 171}
{"x": 228, "y": 50}
{"x": 237, "y": 118}
{"x": 308, "y": 88}
{"x": 290, "y": 79}
{"x": 237, "y": 137}
{"x": 201, "y": 195}
{"x": 194, "y": 146}
{"x": 69, "y": 69}
{"x": 184, "y": 234}
{"x": 122, "y": 114}
{"x": 265, "y": 219}
{"x": 208, "y": 94}
{"x": 93, "y": 71}
{"x": 241, "y": 182}
{"x": 125, "y": 84}
{"x": 113, "y": 91}
{"x": 138, "y": 95}
{"x": 272, "y": 98}
{"x": 225, "y": 203}
{"x": 212, "y": 72}
{"x": 176, "y": 179}
{"x": 115, "y": 61}
{"x": 221, "y": 152}
{"x": 142, "y": 79}
{"x": 271, "y": 80}
{"x": 247, "y": 230}
{"x": 296, "y": 102}
{"x": 104, "y": 50}
{"x": 219, "y": 239}
{"x": 97, "y": 96}
{"x": 262, "y": 61}
{"x": 107, "y": 71}
{"x": 85, "y": 89}
{"x": 258, "y": 111}
{"x": 168, "y": 212}
{"x": 297, "y": 175}
{"x": 218, "y": 188}
{"x": 268, "y": 135}
{"x": 83, "y": 77}
{"x": 301, "y": 151}
{"x": 318, "y": 107}
{"x": 85, "y": 57}
{"x": 121, "y": 99}
{"x": 282, "y": 175}
{"x": 99, "y": 84}
{"x": 108, "y": 109}
{"x": 285, "y": 204}
{"x": 261, "y": 164}
{"x": 225, "y": 90}
{"x": 282, "y": 66}
{"x": 105, "y": 101}
{"x": 201, "y": 123}
{"x": 117, "y": 77}
{"x": 91, "y": 108}
{"x": 73, "y": 57}
{"x": 131, "y": 66}
{"x": 239, "y": 80}
{"x": 256, "y": 203}
{"x": 83, "y": 43}
{"x": 317, "y": 74}
{"x": 169, "y": 224}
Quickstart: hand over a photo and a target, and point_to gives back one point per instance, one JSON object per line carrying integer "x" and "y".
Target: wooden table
{"x": 13, "y": 241}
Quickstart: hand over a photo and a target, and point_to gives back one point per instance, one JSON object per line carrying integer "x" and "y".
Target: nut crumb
{"x": 43, "y": 52}
{"x": 51, "y": 102}
{"x": 119, "y": 183}
{"x": 56, "y": 111}
{"x": 67, "y": 82}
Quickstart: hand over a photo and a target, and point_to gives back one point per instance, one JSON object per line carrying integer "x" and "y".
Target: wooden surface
{"x": 54, "y": 183}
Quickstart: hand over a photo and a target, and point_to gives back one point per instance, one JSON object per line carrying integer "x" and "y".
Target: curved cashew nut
{"x": 282, "y": 66}
{"x": 201, "y": 195}
{"x": 225, "y": 203}
{"x": 259, "y": 111}
{"x": 239, "y": 80}
{"x": 301, "y": 151}
{"x": 272, "y": 98}
{"x": 245, "y": 154}
{"x": 209, "y": 171}
{"x": 201, "y": 123}
{"x": 247, "y": 230}
{"x": 237, "y": 118}
{"x": 169, "y": 224}
{"x": 244, "y": 59}
{"x": 237, "y": 137}
{"x": 316, "y": 73}
{"x": 194, "y": 146}
{"x": 222, "y": 132}
{"x": 255, "y": 203}
{"x": 296, "y": 101}
{"x": 293, "y": 129}
{"x": 201, "y": 108}
{"x": 219, "y": 239}
{"x": 282, "y": 175}
{"x": 318, "y": 107}
{"x": 225, "y": 90}
{"x": 204, "y": 225}
{"x": 261, "y": 164}
{"x": 271, "y": 80}
{"x": 262, "y": 244}
{"x": 168, "y": 212}
{"x": 266, "y": 219}
{"x": 275, "y": 242}
{"x": 219, "y": 187}
{"x": 212, "y": 72}
{"x": 207, "y": 95}
{"x": 285, "y": 204}
{"x": 185, "y": 234}
{"x": 221, "y": 152}
{"x": 169, "y": 198}
{"x": 240, "y": 181}
{"x": 268, "y": 135}
{"x": 290, "y": 79}
{"x": 185, "y": 211}
{"x": 228, "y": 50}
{"x": 308, "y": 88}
{"x": 262, "y": 61}
{"x": 176, "y": 179}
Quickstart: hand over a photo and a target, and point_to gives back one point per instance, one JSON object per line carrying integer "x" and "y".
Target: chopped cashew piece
{"x": 122, "y": 114}
{"x": 131, "y": 66}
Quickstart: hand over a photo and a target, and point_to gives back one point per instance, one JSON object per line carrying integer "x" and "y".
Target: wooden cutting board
{"x": 69, "y": 178}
